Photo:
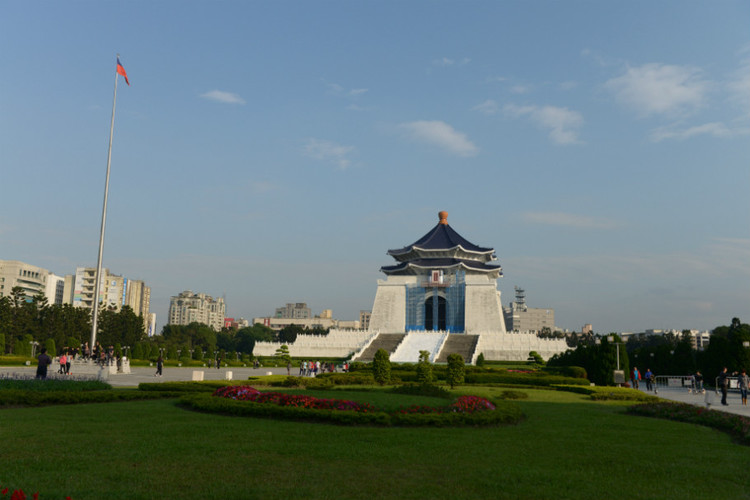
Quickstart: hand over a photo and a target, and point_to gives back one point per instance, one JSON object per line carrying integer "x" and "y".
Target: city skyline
{"x": 273, "y": 152}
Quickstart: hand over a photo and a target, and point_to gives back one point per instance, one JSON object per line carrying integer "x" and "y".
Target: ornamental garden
{"x": 395, "y": 431}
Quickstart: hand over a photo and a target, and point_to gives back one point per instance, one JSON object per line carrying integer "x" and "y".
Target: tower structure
{"x": 441, "y": 282}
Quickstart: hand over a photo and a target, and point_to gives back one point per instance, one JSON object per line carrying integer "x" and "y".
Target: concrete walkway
{"x": 710, "y": 399}
{"x": 146, "y": 374}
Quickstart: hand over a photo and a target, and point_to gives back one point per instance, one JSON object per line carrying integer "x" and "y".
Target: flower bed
{"x": 465, "y": 410}
{"x": 735, "y": 425}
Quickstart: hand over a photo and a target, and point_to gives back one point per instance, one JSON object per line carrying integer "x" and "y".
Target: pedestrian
{"x": 63, "y": 363}
{"x": 288, "y": 367}
{"x": 635, "y": 376}
{"x": 159, "y": 366}
{"x": 724, "y": 385}
{"x": 698, "y": 381}
{"x": 649, "y": 379}
{"x": 744, "y": 381}
{"x": 68, "y": 361}
{"x": 43, "y": 361}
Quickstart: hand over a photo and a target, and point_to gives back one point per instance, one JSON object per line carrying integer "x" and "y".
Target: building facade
{"x": 189, "y": 307}
{"x": 521, "y": 318}
{"x": 298, "y": 310}
{"x": 33, "y": 280}
{"x": 442, "y": 282}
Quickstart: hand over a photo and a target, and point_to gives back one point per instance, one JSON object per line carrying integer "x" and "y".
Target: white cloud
{"x": 567, "y": 220}
{"x": 660, "y": 89}
{"x": 224, "y": 97}
{"x": 356, "y": 92}
{"x": 739, "y": 87}
{"x": 440, "y": 134}
{"x": 329, "y": 151}
{"x": 488, "y": 107}
{"x": 714, "y": 129}
{"x": 519, "y": 89}
{"x": 562, "y": 123}
{"x": 445, "y": 62}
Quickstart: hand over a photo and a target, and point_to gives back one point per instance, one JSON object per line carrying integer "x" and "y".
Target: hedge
{"x": 506, "y": 413}
{"x": 599, "y": 393}
{"x": 736, "y": 426}
{"x": 19, "y": 397}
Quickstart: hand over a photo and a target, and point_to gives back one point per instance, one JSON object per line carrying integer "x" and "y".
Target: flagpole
{"x": 104, "y": 220}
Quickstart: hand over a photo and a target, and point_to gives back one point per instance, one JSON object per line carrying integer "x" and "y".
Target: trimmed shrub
{"x": 514, "y": 395}
{"x": 421, "y": 390}
{"x": 51, "y": 385}
{"x": 381, "y": 367}
{"x": 466, "y": 410}
{"x": 16, "y": 397}
{"x": 735, "y": 425}
{"x": 456, "y": 370}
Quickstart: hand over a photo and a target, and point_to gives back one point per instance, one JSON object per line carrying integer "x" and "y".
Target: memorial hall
{"x": 439, "y": 296}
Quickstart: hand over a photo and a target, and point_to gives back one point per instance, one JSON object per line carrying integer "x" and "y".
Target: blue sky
{"x": 272, "y": 152}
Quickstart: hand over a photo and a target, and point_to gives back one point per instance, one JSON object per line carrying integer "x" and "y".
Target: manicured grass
{"x": 568, "y": 447}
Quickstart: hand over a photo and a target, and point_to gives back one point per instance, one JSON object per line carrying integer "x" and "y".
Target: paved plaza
{"x": 138, "y": 374}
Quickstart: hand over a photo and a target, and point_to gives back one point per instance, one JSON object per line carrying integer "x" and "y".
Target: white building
{"x": 32, "y": 279}
{"x": 189, "y": 307}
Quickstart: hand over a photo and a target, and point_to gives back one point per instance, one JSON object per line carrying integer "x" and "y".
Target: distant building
{"x": 189, "y": 307}
{"x": 519, "y": 317}
{"x": 236, "y": 323}
{"x": 298, "y": 310}
{"x": 364, "y": 319}
{"x": 32, "y": 279}
{"x": 279, "y": 323}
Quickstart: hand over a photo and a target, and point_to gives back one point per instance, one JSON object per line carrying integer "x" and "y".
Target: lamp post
{"x": 33, "y": 343}
{"x": 191, "y": 351}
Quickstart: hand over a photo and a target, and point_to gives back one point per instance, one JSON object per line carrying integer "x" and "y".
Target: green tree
{"x": 424, "y": 368}
{"x": 289, "y": 334}
{"x": 282, "y": 355}
{"x": 456, "y": 370}
{"x": 381, "y": 367}
{"x": 480, "y": 359}
{"x": 51, "y": 347}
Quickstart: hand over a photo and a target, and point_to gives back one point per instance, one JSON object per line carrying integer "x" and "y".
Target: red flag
{"x": 121, "y": 71}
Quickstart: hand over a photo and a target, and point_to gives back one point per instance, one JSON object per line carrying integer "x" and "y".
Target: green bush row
{"x": 54, "y": 385}
{"x": 189, "y": 386}
{"x": 19, "y": 397}
{"x": 506, "y": 413}
{"x": 422, "y": 390}
{"x": 736, "y": 426}
{"x": 599, "y": 393}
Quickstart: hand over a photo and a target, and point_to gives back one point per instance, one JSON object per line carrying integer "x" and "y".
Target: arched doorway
{"x": 429, "y": 313}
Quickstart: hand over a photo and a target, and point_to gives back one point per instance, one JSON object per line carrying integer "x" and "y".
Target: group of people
{"x": 649, "y": 377}
{"x": 743, "y": 381}
{"x": 312, "y": 368}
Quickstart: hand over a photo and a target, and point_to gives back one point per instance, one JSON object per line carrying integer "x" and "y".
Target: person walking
{"x": 649, "y": 380}
{"x": 744, "y": 381}
{"x": 724, "y": 385}
{"x": 43, "y": 361}
{"x": 63, "y": 363}
{"x": 159, "y": 366}
{"x": 635, "y": 376}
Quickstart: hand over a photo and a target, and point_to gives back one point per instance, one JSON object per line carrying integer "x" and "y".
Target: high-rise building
{"x": 189, "y": 307}
{"x": 364, "y": 319}
{"x": 32, "y": 279}
{"x": 298, "y": 310}
{"x": 115, "y": 291}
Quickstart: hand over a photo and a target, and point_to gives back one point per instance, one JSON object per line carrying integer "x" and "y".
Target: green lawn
{"x": 568, "y": 447}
